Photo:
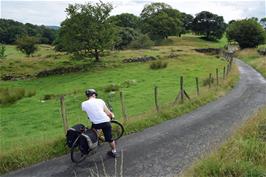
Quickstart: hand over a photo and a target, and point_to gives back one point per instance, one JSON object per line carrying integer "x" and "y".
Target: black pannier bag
{"x": 73, "y": 133}
{"x": 88, "y": 141}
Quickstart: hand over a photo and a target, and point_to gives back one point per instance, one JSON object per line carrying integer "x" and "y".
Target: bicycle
{"x": 77, "y": 151}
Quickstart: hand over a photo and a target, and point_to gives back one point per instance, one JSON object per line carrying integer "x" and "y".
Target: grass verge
{"x": 252, "y": 57}
{"x": 43, "y": 148}
{"x": 244, "y": 155}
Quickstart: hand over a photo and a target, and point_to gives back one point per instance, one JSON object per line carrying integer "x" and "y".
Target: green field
{"x": 33, "y": 124}
{"x": 243, "y": 155}
{"x": 18, "y": 65}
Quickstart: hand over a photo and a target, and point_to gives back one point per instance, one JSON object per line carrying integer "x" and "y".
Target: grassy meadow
{"x": 33, "y": 123}
{"x": 242, "y": 156}
{"x": 18, "y": 65}
{"x": 252, "y": 57}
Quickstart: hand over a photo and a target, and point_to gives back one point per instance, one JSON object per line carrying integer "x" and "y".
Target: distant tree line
{"x": 11, "y": 30}
{"x": 89, "y": 29}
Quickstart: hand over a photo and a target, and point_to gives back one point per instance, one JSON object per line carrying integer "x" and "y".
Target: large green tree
{"x": 159, "y": 21}
{"x": 248, "y": 33}
{"x": 187, "y": 21}
{"x": 87, "y": 30}
{"x": 150, "y": 9}
{"x": 263, "y": 22}
{"x": 210, "y": 25}
{"x": 125, "y": 20}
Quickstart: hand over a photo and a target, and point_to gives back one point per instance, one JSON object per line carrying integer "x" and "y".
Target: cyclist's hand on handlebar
{"x": 112, "y": 116}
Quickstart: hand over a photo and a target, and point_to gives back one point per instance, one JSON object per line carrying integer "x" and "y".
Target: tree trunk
{"x": 96, "y": 54}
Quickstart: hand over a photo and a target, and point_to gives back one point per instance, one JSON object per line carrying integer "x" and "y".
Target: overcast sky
{"x": 49, "y": 12}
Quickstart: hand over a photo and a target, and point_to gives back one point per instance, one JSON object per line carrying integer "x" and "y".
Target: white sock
{"x": 113, "y": 150}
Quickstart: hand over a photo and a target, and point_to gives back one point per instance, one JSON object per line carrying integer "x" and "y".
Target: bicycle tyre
{"x": 76, "y": 155}
{"x": 117, "y": 130}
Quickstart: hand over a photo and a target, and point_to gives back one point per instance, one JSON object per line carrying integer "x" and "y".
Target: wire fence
{"x": 180, "y": 98}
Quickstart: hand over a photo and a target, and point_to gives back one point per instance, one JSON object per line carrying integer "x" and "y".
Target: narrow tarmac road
{"x": 166, "y": 149}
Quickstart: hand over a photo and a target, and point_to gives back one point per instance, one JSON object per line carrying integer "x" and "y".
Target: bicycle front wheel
{"x": 76, "y": 155}
{"x": 117, "y": 130}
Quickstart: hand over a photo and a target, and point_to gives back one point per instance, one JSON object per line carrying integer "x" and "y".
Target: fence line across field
{"x": 182, "y": 94}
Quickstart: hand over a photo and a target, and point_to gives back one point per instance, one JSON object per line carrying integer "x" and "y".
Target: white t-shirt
{"x": 94, "y": 108}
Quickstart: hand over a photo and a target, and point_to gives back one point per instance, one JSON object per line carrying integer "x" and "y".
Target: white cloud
{"x": 49, "y": 12}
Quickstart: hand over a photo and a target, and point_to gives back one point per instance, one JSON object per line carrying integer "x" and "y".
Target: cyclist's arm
{"x": 108, "y": 112}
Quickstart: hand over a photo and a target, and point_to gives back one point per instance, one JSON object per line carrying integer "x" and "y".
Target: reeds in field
{"x": 11, "y": 95}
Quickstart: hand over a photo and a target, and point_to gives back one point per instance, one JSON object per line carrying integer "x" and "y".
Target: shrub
{"x": 49, "y": 96}
{"x": 248, "y": 33}
{"x": 2, "y": 51}
{"x": 128, "y": 83}
{"x": 262, "y": 49}
{"x": 158, "y": 65}
{"x": 11, "y": 95}
{"x": 27, "y": 45}
{"x": 112, "y": 87}
{"x": 142, "y": 42}
{"x": 124, "y": 37}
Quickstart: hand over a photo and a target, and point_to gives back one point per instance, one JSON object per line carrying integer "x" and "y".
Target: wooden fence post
{"x": 231, "y": 62}
{"x": 123, "y": 105}
{"x": 182, "y": 89}
{"x": 197, "y": 85}
{"x": 227, "y": 69}
{"x": 210, "y": 79}
{"x": 182, "y": 92}
{"x": 63, "y": 113}
{"x": 156, "y": 98}
{"x": 224, "y": 73}
{"x": 217, "y": 76}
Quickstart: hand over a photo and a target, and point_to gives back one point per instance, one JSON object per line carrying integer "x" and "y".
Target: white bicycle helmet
{"x": 90, "y": 92}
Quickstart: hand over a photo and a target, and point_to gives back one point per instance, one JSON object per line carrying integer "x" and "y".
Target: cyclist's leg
{"x": 107, "y": 131}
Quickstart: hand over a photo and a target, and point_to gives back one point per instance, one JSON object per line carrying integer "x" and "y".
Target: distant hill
{"x": 53, "y": 27}
{"x": 11, "y": 30}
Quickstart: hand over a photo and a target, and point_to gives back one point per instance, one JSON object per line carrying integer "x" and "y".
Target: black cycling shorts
{"x": 107, "y": 130}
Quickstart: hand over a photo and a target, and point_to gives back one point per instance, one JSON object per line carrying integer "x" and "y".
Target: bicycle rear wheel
{"x": 76, "y": 155}
{"x": 117, "y": 130}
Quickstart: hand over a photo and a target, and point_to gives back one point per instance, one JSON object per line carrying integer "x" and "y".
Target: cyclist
{"x": 100, "y": 116}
